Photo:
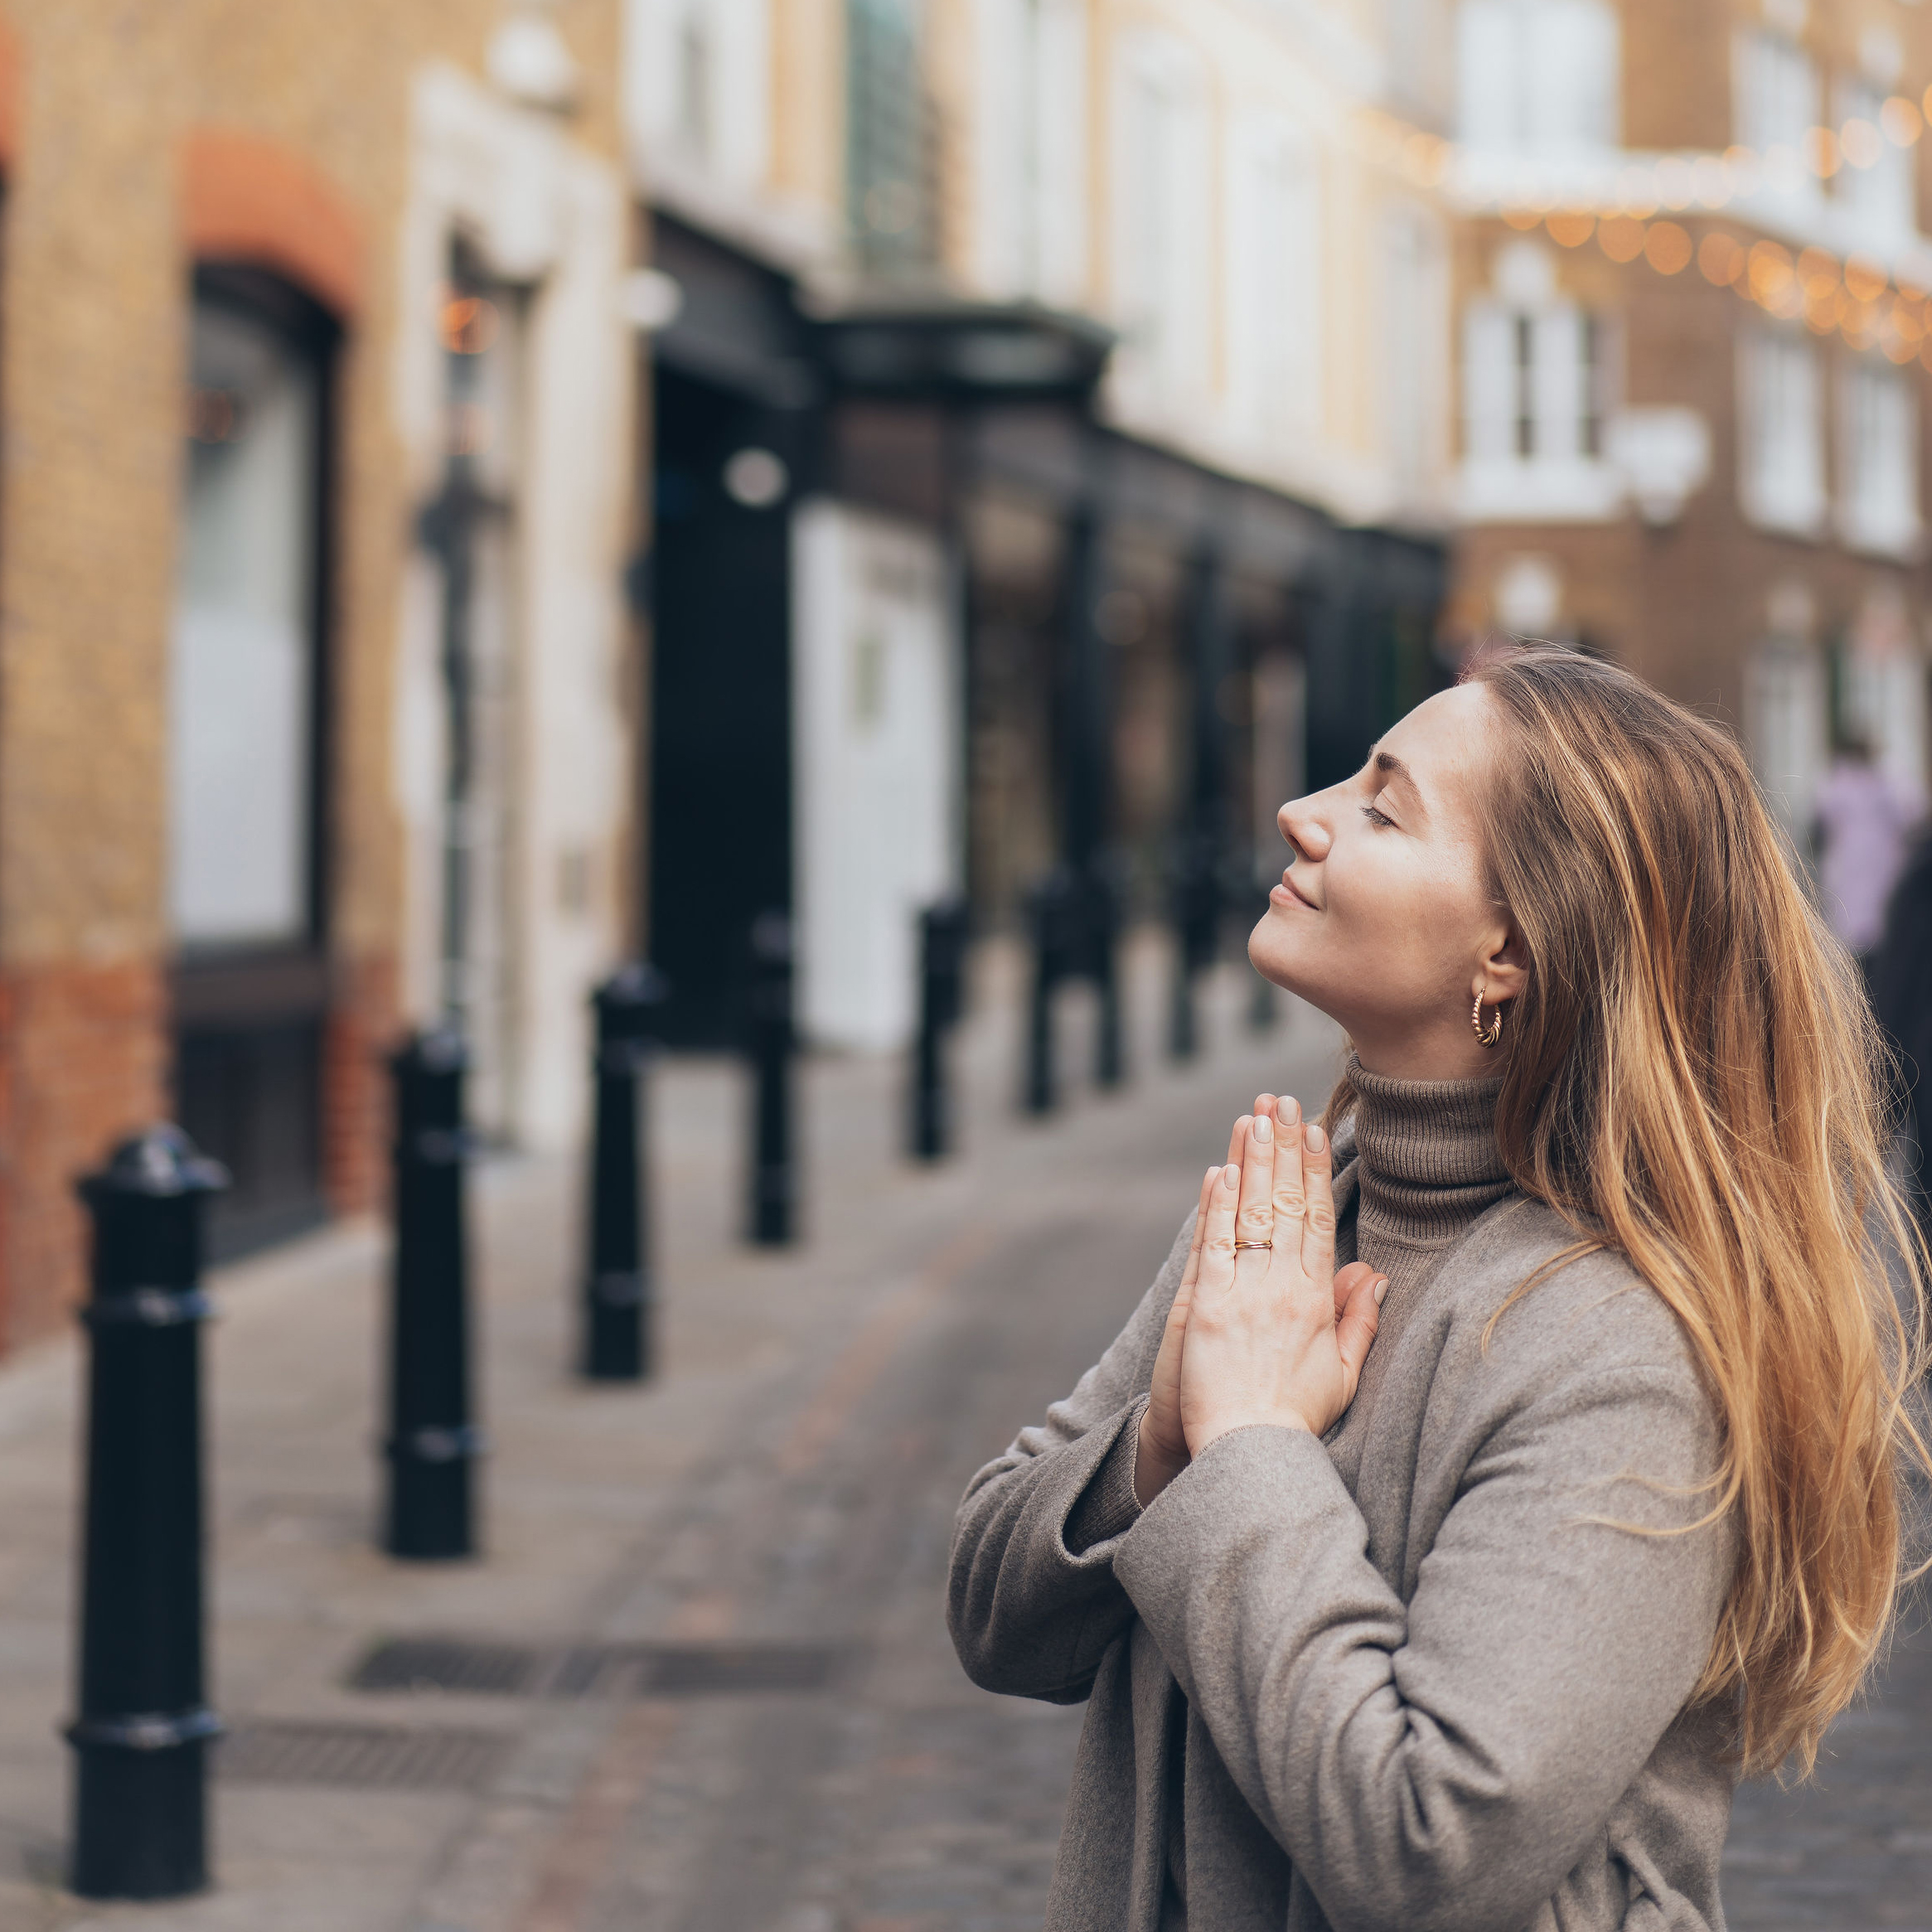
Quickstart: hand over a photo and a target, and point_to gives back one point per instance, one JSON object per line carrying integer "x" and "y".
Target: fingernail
{"x": 1290, "y": 1110}
{"x": 1264, "y": 1129}
{"x": 1315, "y": 1143}
{"x": 1231, "y": 1177}
{"x": 1381, "y": 1290}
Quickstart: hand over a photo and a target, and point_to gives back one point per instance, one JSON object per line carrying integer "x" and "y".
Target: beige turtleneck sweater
{"x": 1425, "y": 1165}
{"x": 1417, "y": 1164}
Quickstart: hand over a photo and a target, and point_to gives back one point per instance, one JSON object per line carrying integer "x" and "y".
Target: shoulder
{"x": 1567, "y": 1369}
{"x": 1516, "y": 1295}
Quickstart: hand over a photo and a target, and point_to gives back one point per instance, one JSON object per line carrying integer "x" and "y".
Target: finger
{"x": 1346, "y": 1280}
{"x": 1191, "y": 1273}
{"x": 1237, "y": 1140}
{"x": 1217, "y": 1248}
{"x": 1257, "y": 1216}
{"x": 1318, "y": 1226}
{"x": 1355, "y": 1332}
{"x": 1290, "y": 1201}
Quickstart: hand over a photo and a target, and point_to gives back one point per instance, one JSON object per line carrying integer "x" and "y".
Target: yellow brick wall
{"x": 93, "y": 308}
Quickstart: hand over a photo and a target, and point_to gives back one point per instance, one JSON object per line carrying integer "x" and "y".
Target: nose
{"x": 1305, "y": 826}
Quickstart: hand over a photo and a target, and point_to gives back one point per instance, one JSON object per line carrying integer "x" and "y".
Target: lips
{"x": 1294, "y": 892}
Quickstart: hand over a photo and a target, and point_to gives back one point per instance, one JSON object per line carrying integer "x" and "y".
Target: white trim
{"x": 546, "y": 215}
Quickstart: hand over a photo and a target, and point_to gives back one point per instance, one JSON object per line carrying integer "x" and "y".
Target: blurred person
{"x": 1901, "y": 992}
{"x": 1495, "y": 1474}
{"x": 1861, "y": 833}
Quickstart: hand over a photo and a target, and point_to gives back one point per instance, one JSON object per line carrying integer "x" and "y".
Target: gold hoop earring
{"x": 1494, "y": 1036}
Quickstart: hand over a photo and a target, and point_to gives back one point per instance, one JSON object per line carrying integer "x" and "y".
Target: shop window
{"x": 245, "y": 897}
{"x": 1538, "y": 75}
{"x": 1878, "y": 505}
{"x": 1781, "y": 455}
{"x": 242, "y": 696}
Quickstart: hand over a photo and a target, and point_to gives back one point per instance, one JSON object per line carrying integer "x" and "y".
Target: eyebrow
{"x": 1389, "y": 766}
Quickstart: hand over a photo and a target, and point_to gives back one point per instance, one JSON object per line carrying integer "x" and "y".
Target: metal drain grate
{"x": 445, "y": 1663}
{"x": 599, "y": 1670}
{"x": 704, "y": 1670}
{"x": 359, "y": 1757}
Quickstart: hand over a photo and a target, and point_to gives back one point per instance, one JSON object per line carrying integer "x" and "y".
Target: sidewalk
{"x": 704, "y": 1604}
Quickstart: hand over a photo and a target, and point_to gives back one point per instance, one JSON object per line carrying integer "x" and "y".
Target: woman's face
{"x": 1382, "y": 919}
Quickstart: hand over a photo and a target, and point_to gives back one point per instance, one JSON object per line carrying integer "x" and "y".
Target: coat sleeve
{"x": 1032, "y": 1602}
{"x": 1446, "y": 1762}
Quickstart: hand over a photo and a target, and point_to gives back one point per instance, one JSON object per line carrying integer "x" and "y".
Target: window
{"x": 1879, "y": 486}
{"x": 1532, "y": 384}
{"x": 888, "y": 150}
{"x": 1781, "y": 455}
{"x": 1879, "y": 195}
{"x": 243, "y": 672}
{"x": 1415, "y": 321}
{"x": 1030, "y": 132}
{"x": 699, "y": 85}
{"x": 1274, "y": 273}
{"x": 1161, "y": 213}
{"x": 1775, "y": 102}
{"x": 1538, "y": 75}
{"x": 1785, "y": 716}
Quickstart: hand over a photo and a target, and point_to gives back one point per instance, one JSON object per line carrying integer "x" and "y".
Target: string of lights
{"x": 1855, "y": 297}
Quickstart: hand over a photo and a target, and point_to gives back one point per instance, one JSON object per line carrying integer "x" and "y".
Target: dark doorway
{"x": 720, "y": 710}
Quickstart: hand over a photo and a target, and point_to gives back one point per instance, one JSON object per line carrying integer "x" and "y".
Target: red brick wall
{"x": 248, "y": 199}
{"x": 83, "y": 1061}
{"x": 362, "y": 1030}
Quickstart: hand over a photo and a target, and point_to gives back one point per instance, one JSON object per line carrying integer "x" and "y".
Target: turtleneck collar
{"x": 1429, "y": 1163}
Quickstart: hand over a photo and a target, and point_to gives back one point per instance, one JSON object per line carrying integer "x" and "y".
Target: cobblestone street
{"x": 701, "y": 1682}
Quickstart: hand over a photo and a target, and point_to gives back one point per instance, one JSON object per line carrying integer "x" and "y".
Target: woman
{"x": 1475, "y": 1494}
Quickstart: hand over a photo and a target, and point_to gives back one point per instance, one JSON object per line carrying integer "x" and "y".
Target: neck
{"x": 1428, "y": 1160}
{"x": 1434, "y": 1053}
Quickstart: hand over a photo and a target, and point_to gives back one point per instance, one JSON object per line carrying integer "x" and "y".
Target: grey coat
{"x": 1415, "y": 1680}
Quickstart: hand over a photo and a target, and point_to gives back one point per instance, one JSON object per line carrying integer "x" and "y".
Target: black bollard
{"x": 1197, "y": 919}
{"x": 432, "y": 1444}
{"x": 618, "y": 1303}
{"x": 1101, "y": 907}
{"x": 770, "y": 1041}
{"x": 942, "y": 945}
{"x": 1050, "y": 913}
{"x": 140, "y": 1810}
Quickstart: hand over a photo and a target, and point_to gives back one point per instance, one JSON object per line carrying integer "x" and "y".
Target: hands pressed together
{"x": 1267, "y": 1334}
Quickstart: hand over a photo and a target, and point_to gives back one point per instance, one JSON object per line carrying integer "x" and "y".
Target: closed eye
{"x": 1375, "y": 817}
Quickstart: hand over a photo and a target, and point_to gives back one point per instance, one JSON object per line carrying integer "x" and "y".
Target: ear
{"x": 1502, "y": 970}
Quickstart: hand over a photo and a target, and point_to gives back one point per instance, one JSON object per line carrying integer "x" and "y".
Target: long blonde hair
{"x": 1694, "y": 1078}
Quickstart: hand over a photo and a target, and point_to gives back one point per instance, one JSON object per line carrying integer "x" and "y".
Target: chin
{"x": 1271, "y": 952}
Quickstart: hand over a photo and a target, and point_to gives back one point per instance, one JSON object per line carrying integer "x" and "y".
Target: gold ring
{"x": 1240, "y": 1245}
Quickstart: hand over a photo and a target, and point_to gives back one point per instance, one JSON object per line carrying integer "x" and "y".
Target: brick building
{"x": 1692, "y": 280}
{"x": 274, "y": 278}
